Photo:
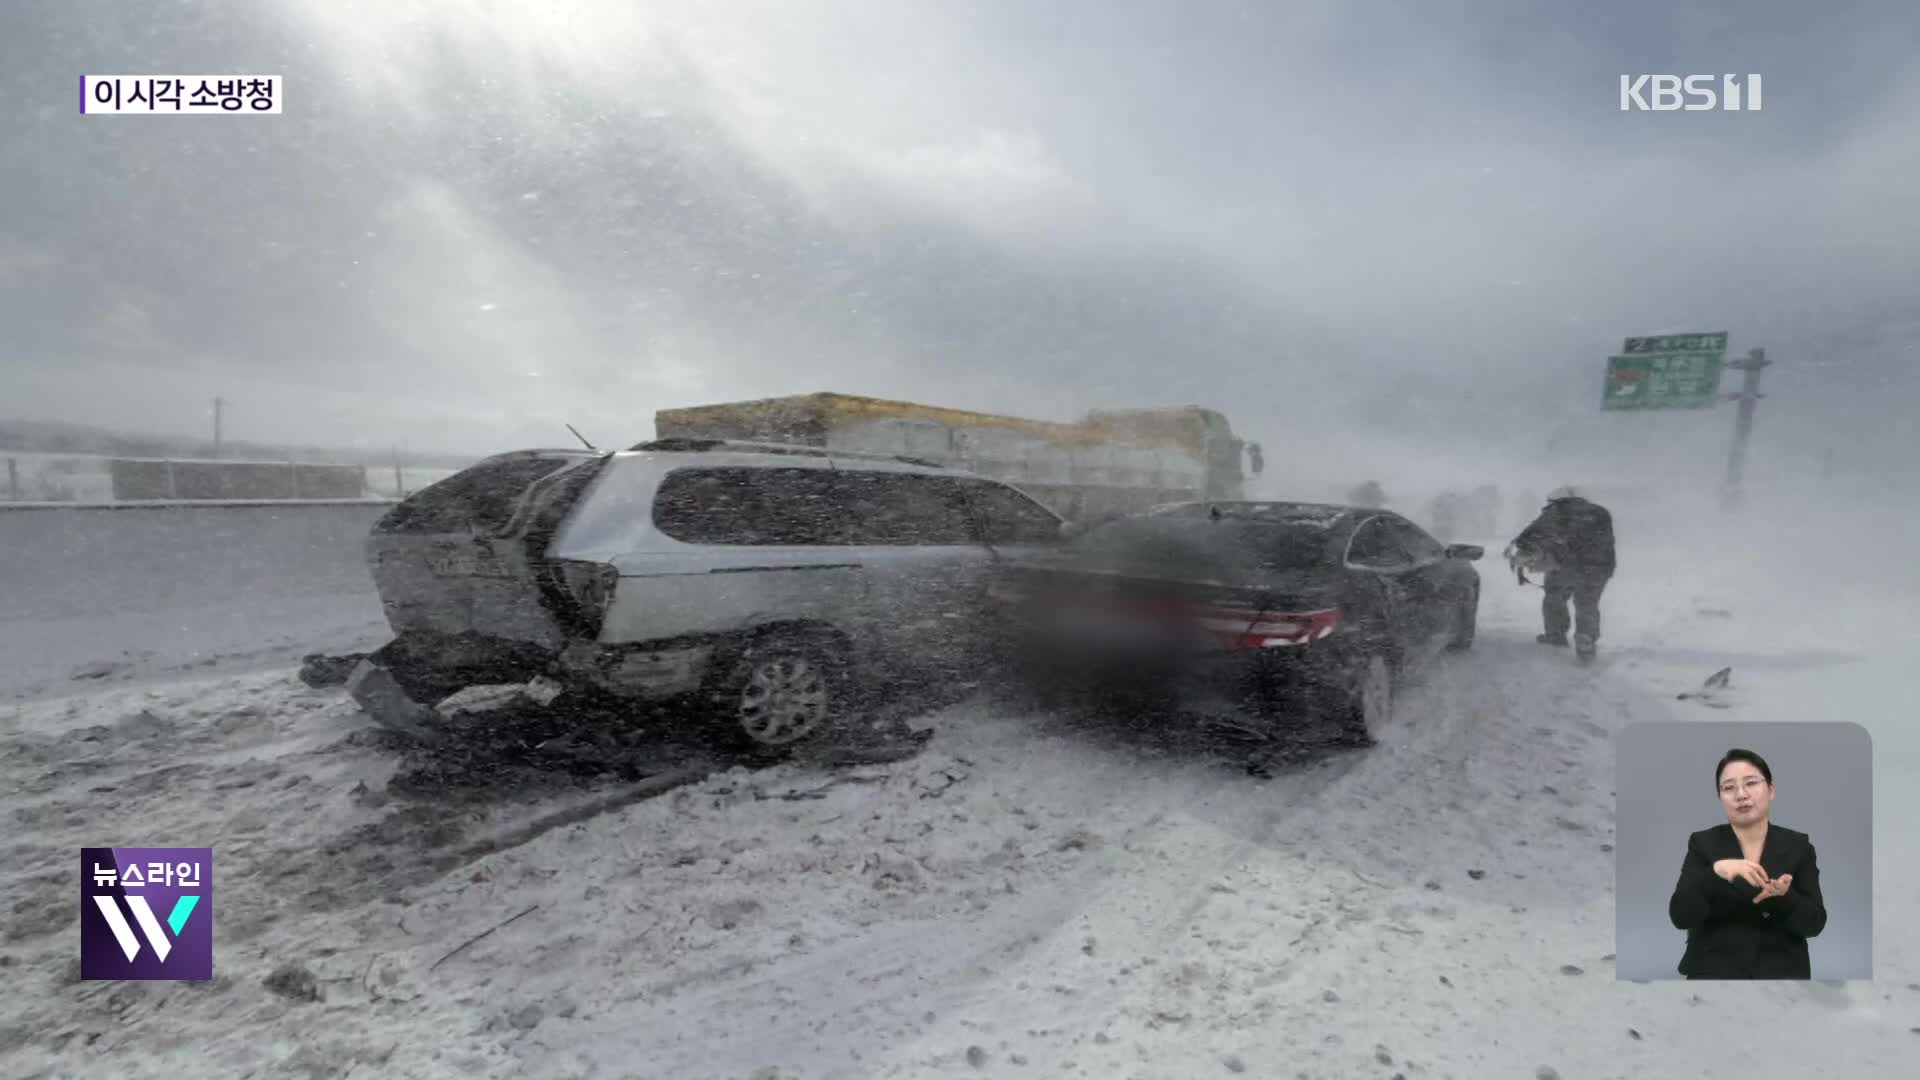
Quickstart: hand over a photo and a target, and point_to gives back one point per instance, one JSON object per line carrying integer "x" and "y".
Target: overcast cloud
{"x": 1404, "y": 235}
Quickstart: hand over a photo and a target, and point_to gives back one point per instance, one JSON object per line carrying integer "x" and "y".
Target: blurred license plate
{"x": 1106, "y": 626}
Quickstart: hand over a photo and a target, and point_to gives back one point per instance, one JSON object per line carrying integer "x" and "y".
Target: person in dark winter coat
{"x": 1369, "y": 495}
{"x": 1573, "y": 538}
{"x": 1444, "y": 512}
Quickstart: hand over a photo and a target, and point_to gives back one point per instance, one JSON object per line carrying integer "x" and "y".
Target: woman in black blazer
{"x": 1749, "y": 891}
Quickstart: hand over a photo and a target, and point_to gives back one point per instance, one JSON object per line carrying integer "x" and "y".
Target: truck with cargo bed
{"x": 1108, "y": 464}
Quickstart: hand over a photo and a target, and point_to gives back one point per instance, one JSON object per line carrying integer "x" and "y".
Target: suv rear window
{"x": 754, "y": 507}
{"x": 480, "y": 499}
{"x": 904, "y": 509}
{"x": 736, "y": 506}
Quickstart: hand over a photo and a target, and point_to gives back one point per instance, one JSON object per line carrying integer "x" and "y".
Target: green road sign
{"x": 1673, "y": 371}
{"x": 1678, "y": 343}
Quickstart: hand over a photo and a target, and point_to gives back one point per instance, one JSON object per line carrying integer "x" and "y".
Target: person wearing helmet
{"x": 1572, "y": 541}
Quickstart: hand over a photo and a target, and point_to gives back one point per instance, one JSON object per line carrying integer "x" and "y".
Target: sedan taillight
{"x": 1279, "y": 629}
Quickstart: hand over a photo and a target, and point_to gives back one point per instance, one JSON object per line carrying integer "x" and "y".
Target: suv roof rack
{"x": 699, "y": 446}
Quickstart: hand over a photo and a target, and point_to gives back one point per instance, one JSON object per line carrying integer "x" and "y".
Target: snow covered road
{"x": 1031, "y": 896}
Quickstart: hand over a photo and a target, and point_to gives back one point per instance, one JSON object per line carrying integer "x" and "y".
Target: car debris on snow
{"x": 1715, "y": 692}
{"x": 322, "y": 671}
{"x": 295, "y": 983}
{"x": 371, "y": 798}
{"x": 380, "y": 695}
{"x": 99, "y": 669}
{"x": 1079, "y": 840}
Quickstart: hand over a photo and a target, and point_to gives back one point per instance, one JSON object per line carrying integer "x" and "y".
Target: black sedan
{"x": 1297, "y": 605}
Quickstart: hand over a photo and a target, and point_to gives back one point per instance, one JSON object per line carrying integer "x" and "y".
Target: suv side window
{"x": 1009, "y": 517}
{"x": 903, "y": 509}
{"x": 750, "y": 506}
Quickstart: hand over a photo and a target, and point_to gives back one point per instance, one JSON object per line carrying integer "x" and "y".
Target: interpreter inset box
{"x": 1743, "y": 851}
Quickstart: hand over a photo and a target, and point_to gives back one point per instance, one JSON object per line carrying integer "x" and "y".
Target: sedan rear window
{"x": 1232, "y": 546}
{"x": 1009, "y": 517}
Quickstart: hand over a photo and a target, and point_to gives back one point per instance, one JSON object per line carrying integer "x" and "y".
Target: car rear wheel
{"x": 1369, "y": 702}
{"x": 782, "y": 693}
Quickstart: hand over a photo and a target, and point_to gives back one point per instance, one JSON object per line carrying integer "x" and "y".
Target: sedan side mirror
{"x": 1468, "y": 552}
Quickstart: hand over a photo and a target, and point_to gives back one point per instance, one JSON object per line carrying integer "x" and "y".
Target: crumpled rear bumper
{"x": 400, "y": 684}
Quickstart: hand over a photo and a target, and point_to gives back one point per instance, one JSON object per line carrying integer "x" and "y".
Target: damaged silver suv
{"x": 764, "y": 584}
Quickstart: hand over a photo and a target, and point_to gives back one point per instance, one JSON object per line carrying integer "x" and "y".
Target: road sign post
{"x": 1749, "y": 396}
{"x": 1682, "y": 371}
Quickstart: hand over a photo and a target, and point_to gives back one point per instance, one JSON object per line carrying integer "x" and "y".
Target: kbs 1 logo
{"x": 146, "y": 913}
{"x": 1693, "y": 93}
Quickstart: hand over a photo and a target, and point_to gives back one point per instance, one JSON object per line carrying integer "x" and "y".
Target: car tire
{"x": 782, "y": 692}
{"x": 1367, "y": 704}
{"x": 1466, "y": 619}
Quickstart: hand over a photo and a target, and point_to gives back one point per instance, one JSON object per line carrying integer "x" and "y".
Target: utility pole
{"x": 1748, "y": 397}
{"x": 218, "y": 405}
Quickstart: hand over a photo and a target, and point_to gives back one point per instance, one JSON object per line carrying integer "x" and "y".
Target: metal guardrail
{"x": 34, "y": 477}
{"x": 191, "y": 504}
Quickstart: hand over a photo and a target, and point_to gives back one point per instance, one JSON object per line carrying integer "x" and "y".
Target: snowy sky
{"x": 1396, "y": 235}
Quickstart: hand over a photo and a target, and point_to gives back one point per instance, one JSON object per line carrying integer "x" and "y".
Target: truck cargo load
{"x": 1107, "y": 465}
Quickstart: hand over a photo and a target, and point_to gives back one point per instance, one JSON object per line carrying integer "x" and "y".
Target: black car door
{"x": 1373, "y": 561}
{"x": 1013, "y": 528}
{"x": 1425, "y": 583}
